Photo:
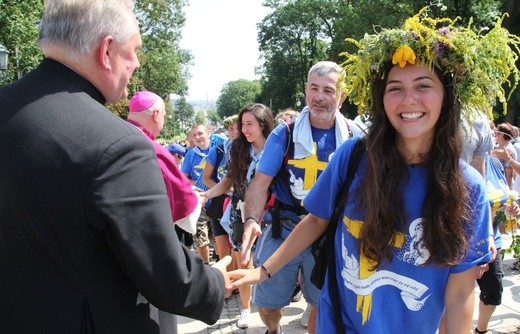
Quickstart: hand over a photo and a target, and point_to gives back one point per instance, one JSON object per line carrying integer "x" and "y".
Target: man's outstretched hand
{"x": 252, "y": 231}
{"x": 222, "y": 266}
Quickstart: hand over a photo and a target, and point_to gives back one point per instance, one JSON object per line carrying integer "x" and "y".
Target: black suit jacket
{"x": 85, "y": 223}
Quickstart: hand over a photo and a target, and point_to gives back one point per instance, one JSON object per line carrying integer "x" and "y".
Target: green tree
{"x": 292, "y": 38}
{"x": 300, "y": 32}
{"x": 164, "y": 65}
{"x": 235, "y": 95}
{"x": 283, "y": 81}
{"x": 170, "y": 127}
{"x": 200, "y": 117}
{"x": 183, "y": 114}
{"x": 213, "y": 116}
{"x": 512, "y": 23}
{"x": 19, "y": 27}
{"x": 354, "y": 20}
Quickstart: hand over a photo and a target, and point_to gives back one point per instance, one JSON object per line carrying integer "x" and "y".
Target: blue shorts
{"x": 276, "y": 292}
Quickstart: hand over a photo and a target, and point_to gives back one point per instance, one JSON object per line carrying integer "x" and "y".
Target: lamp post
{"x": 4, "y": 58}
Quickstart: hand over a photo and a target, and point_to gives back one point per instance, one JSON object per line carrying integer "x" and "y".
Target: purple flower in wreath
{"x": 444, "y": 31}
{"x": 440, "y": 47}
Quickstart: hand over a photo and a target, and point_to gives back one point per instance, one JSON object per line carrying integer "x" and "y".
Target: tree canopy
{"x": 297, "y": 33}
{"x": 164, "y": 65}
{"x": 19, "y": 26}
{"x": 235, "y": 95}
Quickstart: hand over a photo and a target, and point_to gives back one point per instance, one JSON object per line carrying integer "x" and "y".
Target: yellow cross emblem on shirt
{"x": 311, "y": 165}
{"x": 364, "y": 303}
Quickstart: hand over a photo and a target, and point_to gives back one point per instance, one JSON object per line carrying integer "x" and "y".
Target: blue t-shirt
{"x": 402, "y": 293}
{"x": 302, "y": 173}
{"x": 194, "y": 164}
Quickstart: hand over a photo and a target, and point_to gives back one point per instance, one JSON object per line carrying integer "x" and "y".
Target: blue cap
{"x": 176, "y": 149}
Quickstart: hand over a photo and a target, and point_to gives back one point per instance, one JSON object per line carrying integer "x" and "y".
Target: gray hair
{"x": 75, "y": 26}
{"x": 323, "y": 68}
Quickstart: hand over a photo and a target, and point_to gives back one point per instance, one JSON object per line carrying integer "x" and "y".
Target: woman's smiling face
{"x": 251, "y": 127}
{"x": 413, "y": 100}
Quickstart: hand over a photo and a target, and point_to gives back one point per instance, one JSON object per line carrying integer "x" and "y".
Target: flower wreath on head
{"x": 478, "y": 64}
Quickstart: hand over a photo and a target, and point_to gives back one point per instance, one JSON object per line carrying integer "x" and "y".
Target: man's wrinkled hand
{"x": 204, "y": 195}
{"x": 222, "y": 266}
{"x": 252, "y": 231}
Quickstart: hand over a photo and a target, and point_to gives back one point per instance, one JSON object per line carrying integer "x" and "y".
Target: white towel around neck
{"x": 197, "y": 151}
{"x": 302, "y": 134}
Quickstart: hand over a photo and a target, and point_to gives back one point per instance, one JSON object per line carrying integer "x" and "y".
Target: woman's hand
{"x": 222, "y": 265}
{"x": 480, "y": 270}
{"x": 501, "y": 154}
{"x": 512, "y": 210}
{"x": 240, "y": 277}
{"x": 205, "y": 195}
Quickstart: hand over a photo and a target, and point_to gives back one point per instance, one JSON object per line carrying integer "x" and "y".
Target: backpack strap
{"x": 352, "y": 123}
{"x": 220, "y": 156}
{"x": 341, "y": 199}
{"x": 289, "y": 150}
{"x": 289, "y": 146}
{"x": 275, "y": 210}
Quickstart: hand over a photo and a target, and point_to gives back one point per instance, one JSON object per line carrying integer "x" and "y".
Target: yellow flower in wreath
{"x": 403, "y": 55}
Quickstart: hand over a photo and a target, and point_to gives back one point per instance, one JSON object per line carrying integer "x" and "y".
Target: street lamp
{"x": 4, "y": 57}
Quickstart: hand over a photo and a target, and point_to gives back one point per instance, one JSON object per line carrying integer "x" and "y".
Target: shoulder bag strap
{"x": 341, "y": 199}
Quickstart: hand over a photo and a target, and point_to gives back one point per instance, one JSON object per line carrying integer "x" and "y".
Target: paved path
{"x": 506, "y": 318}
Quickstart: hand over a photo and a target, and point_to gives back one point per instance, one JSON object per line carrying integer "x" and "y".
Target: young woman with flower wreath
{"x": 416, "y": 219}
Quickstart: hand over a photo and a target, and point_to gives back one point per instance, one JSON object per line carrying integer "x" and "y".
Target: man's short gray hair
{"x": 76, "y": 26}
{"x": 323, "y": 68}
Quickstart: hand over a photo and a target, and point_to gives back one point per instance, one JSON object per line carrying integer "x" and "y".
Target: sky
{"x": 222, "y": 37}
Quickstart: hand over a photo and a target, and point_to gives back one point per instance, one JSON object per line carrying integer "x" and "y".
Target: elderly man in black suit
{"x": 85, "y": 225}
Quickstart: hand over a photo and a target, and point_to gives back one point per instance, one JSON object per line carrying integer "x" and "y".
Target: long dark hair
{"x": 445, "y": 209}
{"x": 239, "y": 158}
